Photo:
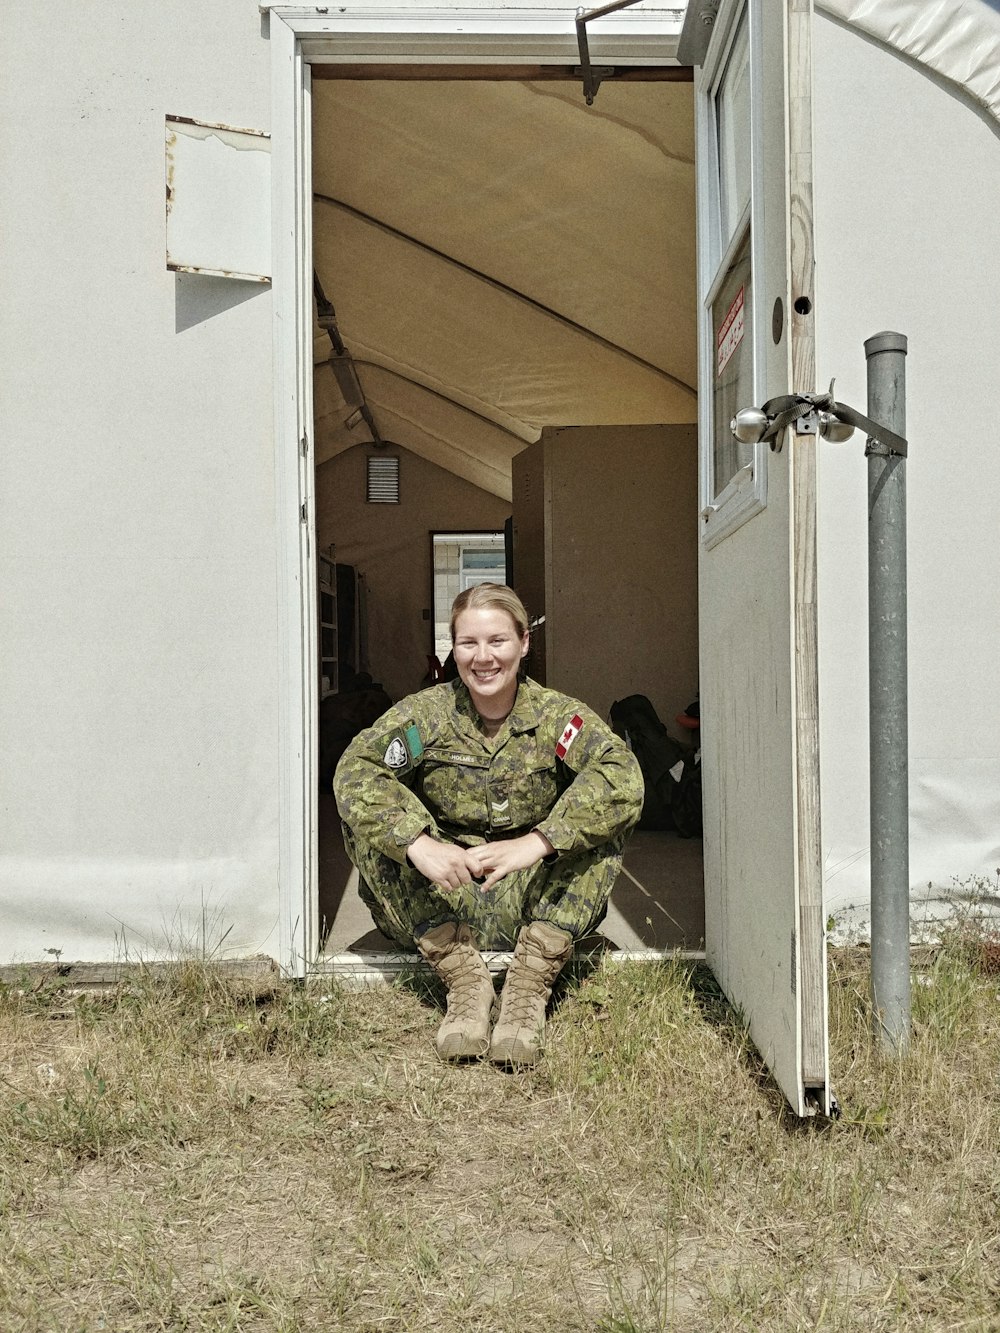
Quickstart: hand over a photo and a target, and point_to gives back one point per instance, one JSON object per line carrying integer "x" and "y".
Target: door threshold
{"x": 380, "y": 968}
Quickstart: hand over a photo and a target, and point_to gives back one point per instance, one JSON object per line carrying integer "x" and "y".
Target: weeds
{"x": 189, "y": 1153}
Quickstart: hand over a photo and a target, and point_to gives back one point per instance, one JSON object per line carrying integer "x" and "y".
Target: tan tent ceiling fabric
{"x": 581, "y": 221}
{"x": 442, "y": 432}
{"x": 578, "y": 206}
{"x": 399, "y": 301}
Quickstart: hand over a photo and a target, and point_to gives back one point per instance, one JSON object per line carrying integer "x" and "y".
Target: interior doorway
{"x": 513, "y": 281}
{"x": 460, "y": 560}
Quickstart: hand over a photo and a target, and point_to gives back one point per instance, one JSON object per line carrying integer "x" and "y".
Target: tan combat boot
{"x": 539, "y": 956}
{"x": 451, "y": 952}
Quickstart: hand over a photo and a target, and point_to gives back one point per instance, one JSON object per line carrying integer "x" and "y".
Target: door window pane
{"x": 732, "y": 342}
{"x": 733, "y": 121}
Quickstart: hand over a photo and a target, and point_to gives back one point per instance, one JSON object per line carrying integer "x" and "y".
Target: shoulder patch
{"x": 395, "y": 754}
{"x": 403, "y": 748}
{"x": 573, "y": 729}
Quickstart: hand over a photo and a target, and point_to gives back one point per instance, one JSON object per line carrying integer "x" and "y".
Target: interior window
{"x": 462, "y": 559}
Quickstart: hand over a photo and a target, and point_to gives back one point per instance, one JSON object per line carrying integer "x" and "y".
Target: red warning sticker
{"x": 730, "y": 334}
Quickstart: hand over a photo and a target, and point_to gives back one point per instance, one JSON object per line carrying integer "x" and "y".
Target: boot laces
{"x": 465, "y": 988}
{"x": 525, "y": 996}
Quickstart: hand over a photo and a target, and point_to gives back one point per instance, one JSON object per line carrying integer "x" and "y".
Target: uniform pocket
{"x": 454, "y": 789}
{"x": 541, "y": 791}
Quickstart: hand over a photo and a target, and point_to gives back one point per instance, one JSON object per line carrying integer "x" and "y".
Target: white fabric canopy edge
{"x": 959, "y": 39}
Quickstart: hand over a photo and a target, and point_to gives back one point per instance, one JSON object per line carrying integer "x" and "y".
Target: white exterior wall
{"x": 138, "y": 644}
{"x": 139, "y": 764}
{"x": 138, "y": 710}
{"x": 907, "y": 198}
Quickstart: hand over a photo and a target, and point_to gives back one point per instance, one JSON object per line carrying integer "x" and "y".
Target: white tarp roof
{"x": 958, "y": 39}
{"x": 503, "y": 257}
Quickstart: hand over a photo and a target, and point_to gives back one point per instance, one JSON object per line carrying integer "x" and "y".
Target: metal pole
{"x": 885, "y": 354}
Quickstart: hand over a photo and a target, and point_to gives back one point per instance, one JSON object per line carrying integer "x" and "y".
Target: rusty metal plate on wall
{"x": 218, "y": 182}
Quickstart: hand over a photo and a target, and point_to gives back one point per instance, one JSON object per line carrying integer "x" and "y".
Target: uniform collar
{"x": 522, "y": 717}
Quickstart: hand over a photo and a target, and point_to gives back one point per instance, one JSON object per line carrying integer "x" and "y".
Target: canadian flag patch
{"x": 573, "y": 729}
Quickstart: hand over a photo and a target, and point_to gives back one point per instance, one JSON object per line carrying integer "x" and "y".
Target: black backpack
{"x": 635, "y": 720}
{"x": 685, "y": 805}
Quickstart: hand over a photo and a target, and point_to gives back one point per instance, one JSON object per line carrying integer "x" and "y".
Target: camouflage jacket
{"x": 426, "y": 767}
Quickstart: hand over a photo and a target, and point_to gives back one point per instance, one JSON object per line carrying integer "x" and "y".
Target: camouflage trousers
{"x": 570, "y": 892}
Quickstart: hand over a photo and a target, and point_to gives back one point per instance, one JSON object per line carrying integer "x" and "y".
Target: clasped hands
{"x": 450, "y": 866}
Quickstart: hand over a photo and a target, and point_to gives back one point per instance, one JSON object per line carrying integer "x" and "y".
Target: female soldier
{"x": 487, "y": 812}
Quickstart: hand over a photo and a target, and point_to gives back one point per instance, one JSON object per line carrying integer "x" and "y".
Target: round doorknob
{"x": 833, "y": 429}
{"x": 749, "y": 425}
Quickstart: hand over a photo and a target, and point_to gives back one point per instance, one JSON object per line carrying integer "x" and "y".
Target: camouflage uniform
{"x": 426, "y": 767}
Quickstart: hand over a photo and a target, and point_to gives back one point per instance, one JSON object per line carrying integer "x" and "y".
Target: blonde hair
{"x": 486, "y": 596}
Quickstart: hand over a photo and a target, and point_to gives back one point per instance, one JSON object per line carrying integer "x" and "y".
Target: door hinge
{"x": 814, "y": 1101}
{"x": 303, "y": 512}
{"x": 794, "y": 964}
{"x": 304, "y": 445}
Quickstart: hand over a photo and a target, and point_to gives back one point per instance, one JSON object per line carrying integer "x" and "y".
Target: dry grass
{"x": 184, "y": 1157}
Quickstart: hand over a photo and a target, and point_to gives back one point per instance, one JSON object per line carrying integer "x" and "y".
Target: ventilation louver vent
{"x": 383, "y": 480}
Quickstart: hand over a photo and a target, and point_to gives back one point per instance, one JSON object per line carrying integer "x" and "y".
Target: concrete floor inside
{"x": 657, "y": 903}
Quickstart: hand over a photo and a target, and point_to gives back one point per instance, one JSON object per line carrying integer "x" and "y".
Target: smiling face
{"x": 488, "y": 652}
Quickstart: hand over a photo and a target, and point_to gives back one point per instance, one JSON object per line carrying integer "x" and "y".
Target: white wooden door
{"x": 763, "y": 869}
